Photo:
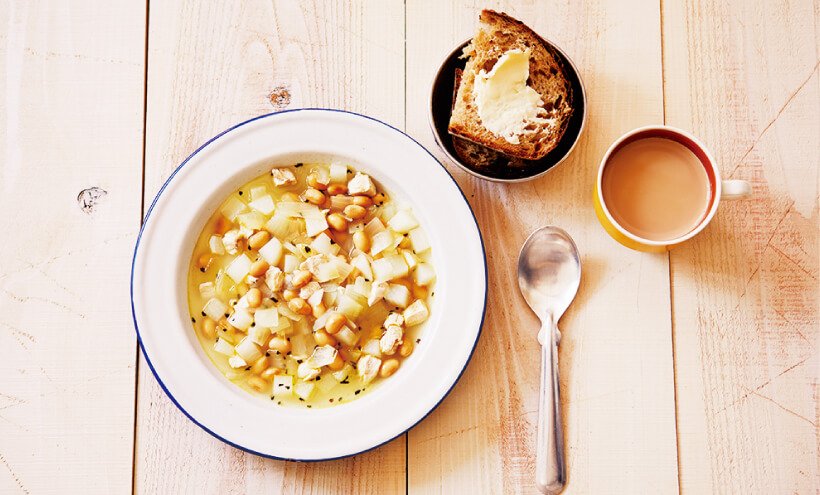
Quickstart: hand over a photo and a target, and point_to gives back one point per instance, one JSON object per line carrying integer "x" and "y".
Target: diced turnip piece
{"x": 355, "y": 226}
{"x": 223, "y": 285}
{"x": 411, "y": 259}
{"x": 291, "y": 263}
{"x": 416, "y": 313}
{"x": 215, "y": 308}
{"x": 419, "y": 240}
{"x": 347, "y": 336}
{"x": 239, "y": 268}
{"x": 251, "y": 220}
{"x": 326, "y": 383}
{"x": 248, "y": 350}
{"x": 282, "y": 385}
{"x": 361, "y": 184}
{"x": 233, "y": 207}
{"x": 306, "y": 371}
{"x": 338, "y": 173}
{"x": 263, "y": 204}
{"x": 315, "y": 224}
{"x": 424, "y": 274}
{"x": 283, "y": 176}
{"x": 322, "y": 356}
{"x": 360, "y": 261}
{"x": 372, "y": 347}
{"x": 349, "y": 307}
{"x": 283, "y": 327}
{"x": 304, "y": 389}
{"x": 215, "y": 244}
{"x": 277, "y": 360}
{"x": 398, "y": 295}
{"x": 377, "y": 292}
{"x": 237, "y": 362}
{"x": 382, "y": 269}
{"x": 382, "y": 241}
{"x": 398, "y": 266}
{"x": 373, "y": 227}
{"x": 343, "y": 373}
{"x": 268, "y": 318}
{"x": 391, "y": 339}
{"x": 403, "y": 222}
{"x": 301, "y": 346}
{"x": 279, "y": 225}
{"x": 361, "y": 287}
{"x": 241, "y": 318}
{"x": 258, "y": 191}
{"x": 272, "y": 251}
{"x": 338, "y": 202}
{"x": 284, "y": 310}
{"x": 259, "y": 334}
{"x": 316, "y": 297}
{"x": 323, "y": 244}
{"x": 207, "y": 290}
{"x": 368, "y": 367}
{"x": 308, "y": 290}
{"x": 222, "y": 346}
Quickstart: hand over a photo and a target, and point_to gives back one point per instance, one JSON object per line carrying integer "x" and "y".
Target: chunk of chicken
{"x": 416, "y": 313}
{"x": 377, "y": 292}
{"x": 275, "y": 279}
{"x": 283, "y": 176}
{"x": 391, "y": 339}
{"x": 368, "y": 367}
{"x": 361, "y": 184}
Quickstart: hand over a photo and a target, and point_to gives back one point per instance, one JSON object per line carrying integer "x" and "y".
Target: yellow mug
{"x": 718, "y": 189}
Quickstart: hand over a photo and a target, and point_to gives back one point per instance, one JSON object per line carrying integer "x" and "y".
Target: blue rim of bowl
{"x": 151, "y": 209}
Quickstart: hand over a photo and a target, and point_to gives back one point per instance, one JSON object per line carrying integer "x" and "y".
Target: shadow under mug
{"x": 719, "y": 189}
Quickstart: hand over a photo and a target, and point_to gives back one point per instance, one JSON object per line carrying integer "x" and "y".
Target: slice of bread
{"x": 497, "y": 34}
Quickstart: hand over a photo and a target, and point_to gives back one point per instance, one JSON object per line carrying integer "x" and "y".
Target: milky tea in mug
{"x": 656, "y": 188}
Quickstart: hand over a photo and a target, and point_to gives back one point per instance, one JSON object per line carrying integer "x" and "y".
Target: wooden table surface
{"x": 694, "y": 371}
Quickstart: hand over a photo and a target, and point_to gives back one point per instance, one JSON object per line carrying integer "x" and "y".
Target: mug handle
{"x": 735, "y": 189}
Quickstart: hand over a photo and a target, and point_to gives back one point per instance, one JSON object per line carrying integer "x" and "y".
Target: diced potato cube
{"x": 222, "y": 346}
{"x": 215, "y": 244}
{"x": 403, "y": 222}
{"x": 416, "y": 313}
{"x": 267, "y": 318}
{"x": 419, "y": 240}
{"x": 232, "y": 207}
{"x": 282, "y": 385}
{"x": 304, "y": 389}
{"x": 263, "y": 204}
{"x": 248, "y": 350}
{"x": 424, "y": 274}
{"x": 338, "y": 173}
{"x": 398, "y": 295}
{"x": 259, "y": 334}
{"x": 215, "y": 308}
{"x": 252, "y": 220}
{"x": 241, "y": 318}
{"x": 326, "y": 383}
{"x": 239, "y": 268}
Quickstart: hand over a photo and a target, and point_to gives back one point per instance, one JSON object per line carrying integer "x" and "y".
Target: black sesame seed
{"x": 248, "y": 368}
{"x": 298, "y": 165}
{"x": 274, "y": 299}
{"x": 253, "y": 324}
{"x": 202, "y": 270}
{"x": 309, "y": 406}
{"x": 301, "y": 399}
{"x": 279, "y": 403}
{"x": 193, "y": 320}
{"x": 418, "y": 341}
{"x": 307, "y": 249}
{"x": 357, "y": 392}
{"x": 203, "y": 313}
{"x": 240, "y": 193}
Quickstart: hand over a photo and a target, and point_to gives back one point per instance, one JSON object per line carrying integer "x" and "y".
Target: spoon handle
{"x": 550, "y": 469}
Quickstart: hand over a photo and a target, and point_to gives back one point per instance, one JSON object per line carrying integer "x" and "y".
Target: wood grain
{"x": 70, "y": 119}
{"x": 746, "y": 290}
{"x": 211, "y": 67}
{"x": 616, "y": 353}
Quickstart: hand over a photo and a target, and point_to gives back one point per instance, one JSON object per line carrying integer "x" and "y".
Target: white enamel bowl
{"x": 191, "y": 195}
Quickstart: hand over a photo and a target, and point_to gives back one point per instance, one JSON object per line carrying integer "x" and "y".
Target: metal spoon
{"x": 549, "y": 272}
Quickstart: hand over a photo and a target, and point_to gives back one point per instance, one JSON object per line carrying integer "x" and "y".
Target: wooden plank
{"x": 744, "y": 77}
{"x": 71, "y": 118}
{"x": 210, "y": 68}
{"x": 616, "y": 354}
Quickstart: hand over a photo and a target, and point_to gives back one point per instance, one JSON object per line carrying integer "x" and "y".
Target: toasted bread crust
{"x": 497, "y": 34}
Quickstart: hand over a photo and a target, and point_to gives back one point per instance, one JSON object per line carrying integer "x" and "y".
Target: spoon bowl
{"x": 549, "y": 273}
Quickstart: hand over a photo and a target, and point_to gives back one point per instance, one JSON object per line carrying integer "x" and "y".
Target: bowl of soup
{"x": 308, "y": 284}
